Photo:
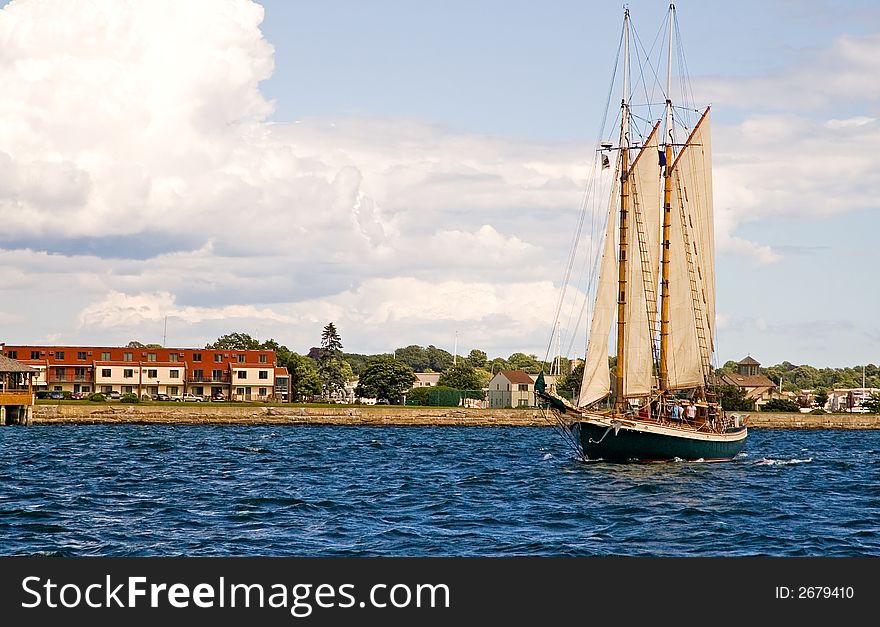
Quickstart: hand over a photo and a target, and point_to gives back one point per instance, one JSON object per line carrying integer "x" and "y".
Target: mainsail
{"x": 692, "y": 263}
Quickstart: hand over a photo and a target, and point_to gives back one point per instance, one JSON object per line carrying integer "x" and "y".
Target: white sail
{"x": 696, "y": 172}
{"x": 643, "y": 250}
{"x": 596, "y": 383}
{"x": 691, "y": 267}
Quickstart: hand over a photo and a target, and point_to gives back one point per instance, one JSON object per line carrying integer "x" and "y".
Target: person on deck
{"x": 692, "y": 412}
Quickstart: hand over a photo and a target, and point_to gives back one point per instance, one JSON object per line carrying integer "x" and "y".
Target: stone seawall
{"x": 769, "y": 420}
{"x": 198, "y": 413}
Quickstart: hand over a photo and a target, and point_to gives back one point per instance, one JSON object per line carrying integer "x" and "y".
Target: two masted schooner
{"x": 656, "y": 290}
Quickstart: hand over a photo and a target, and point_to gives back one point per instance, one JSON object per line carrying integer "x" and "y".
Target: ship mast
{"x": 667, "y": 219}
{"x": 624, "y": 222}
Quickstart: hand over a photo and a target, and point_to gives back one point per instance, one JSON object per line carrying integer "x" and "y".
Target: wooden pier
{"x": 16, "y": 392}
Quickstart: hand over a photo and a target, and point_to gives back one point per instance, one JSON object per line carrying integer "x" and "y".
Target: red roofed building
{"x": 512, "y": 388}
{"x": 758, "y": 387}
{"x": 236, "y": 374}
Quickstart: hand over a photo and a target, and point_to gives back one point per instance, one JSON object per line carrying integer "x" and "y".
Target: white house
{"x": 512, "y": 388}
{"x": 426, "y": 379}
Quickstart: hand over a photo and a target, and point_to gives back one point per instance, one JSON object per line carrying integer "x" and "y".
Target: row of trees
{"x": 805, "y": 377}
{"x": 325, "y": 370}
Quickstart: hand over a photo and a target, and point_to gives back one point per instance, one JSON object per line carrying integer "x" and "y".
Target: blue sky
{"x": 412, "y": 170}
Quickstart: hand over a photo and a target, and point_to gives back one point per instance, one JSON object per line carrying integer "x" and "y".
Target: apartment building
{"x": 236, "y": 374}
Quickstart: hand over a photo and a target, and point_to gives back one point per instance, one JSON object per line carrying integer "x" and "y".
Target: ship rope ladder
{"x": 705, "y": 359}
{"x": 647, "y": 279}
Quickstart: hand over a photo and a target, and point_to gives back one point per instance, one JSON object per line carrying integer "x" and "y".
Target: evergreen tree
{"x": 330, "y": 340}
{"x": 872, "y": 403}
{"x": 331, "y": 366}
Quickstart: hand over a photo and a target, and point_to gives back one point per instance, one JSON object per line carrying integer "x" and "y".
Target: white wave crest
{"x": 766, "y": 461}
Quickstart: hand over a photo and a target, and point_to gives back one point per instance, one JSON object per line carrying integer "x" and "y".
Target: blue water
{"x": 407, "y": 491}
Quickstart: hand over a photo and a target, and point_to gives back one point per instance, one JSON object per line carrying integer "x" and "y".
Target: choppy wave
{"x": 411, "y": 491}
{"x": 766, "y": 461}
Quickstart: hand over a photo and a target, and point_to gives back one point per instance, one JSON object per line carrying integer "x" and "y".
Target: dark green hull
{"x": 625, "y": 443}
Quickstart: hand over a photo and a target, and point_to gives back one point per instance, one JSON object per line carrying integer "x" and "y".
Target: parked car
{"x": 56, "y": 395}
{"x": 192, "y": 398}
{"x": 114, "y": 395}
{"x": 218, "y": 398}
{"x": 161, "y": 397}
{"x": 77, "y": 396}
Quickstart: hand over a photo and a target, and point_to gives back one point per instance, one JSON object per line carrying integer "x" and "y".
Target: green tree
{"x": 461, "y": 376}
{"x": 439, "y": 360}
{"x": 235, "y": 341}
{"x": 872, "y": 403}
{"x": 385, "y": 378}
{"x": 477, "y": 358}
{"x": 733, "y": 398}
{"x": 484, "y": 377}
{"x": 781, "y": 405}
{"x": 570, "y": 384}
{"x": 821, "y": 397}
{"x": 728, "y": 368}
{"x": 282, "y": 355}
{"x": 418, "y": 396}
{"x": 526, "y": 363}
{"x": 304, "y": 380}
{"x": 330, "y": 340}
{"x": 413, "y": 356}
{"x": 331, "y": 366}
{"x": 497, "y": 365}
{"x": 356, "y": 361}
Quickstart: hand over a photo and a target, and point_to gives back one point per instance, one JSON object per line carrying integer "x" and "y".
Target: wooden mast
{"x": 667, "y": 221}
{"x": 624, "y": 222}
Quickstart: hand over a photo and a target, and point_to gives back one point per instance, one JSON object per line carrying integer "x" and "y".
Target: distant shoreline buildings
{"x": 240, "y": 375}
{"x": 254, "y": 375}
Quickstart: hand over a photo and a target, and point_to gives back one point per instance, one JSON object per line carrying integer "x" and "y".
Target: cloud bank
{"x": 142, "y": 180}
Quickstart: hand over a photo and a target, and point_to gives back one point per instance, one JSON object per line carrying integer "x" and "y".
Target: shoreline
{"x": 373, "y": 415}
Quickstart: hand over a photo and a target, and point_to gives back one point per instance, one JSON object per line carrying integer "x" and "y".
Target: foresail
{"x": 691, "y": 267}
{"x": 644, "y": 251}
{"x": 596, "y": 383}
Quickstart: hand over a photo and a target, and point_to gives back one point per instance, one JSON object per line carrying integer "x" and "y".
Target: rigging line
{"x": 646, "y": 55}
{"x": 685, "y": 85}
{"x": 592, "y": 261}
{"x": 578, "y": 230}
{"x": 559, "y": 425}
{"x": 588, "y": 294}
{"x": 572, "y": 255}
